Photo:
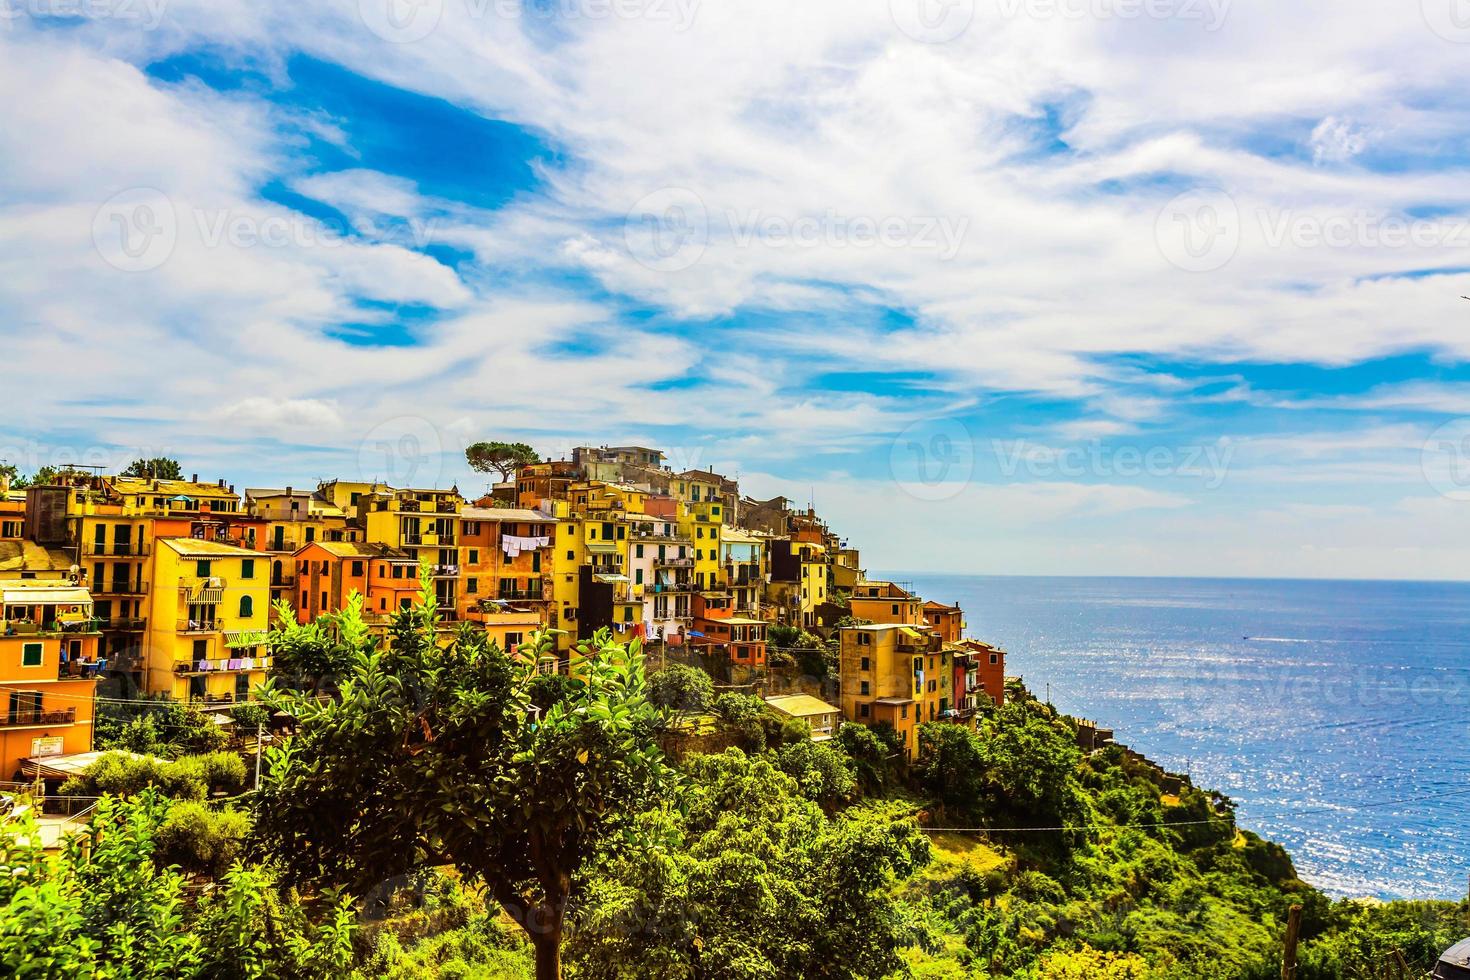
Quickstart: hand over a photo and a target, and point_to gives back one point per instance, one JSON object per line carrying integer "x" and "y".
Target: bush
{"x": 192, "y": 777}
{"x": 681, "y": 688}
{"x": 201, "y": 840}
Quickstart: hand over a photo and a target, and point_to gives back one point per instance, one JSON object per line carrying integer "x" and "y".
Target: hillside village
{"x": 167, "y": 587}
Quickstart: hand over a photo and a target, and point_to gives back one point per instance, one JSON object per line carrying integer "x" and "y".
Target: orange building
{"x": 978, "y": 667}
{"x": 898, "y": 674}
{"x": 885, "y": 602}
{"x": 327, "y": 572}
{"x": 48, "y": 670}
{"x": 505, "y": 557}
{"x": 718, "y": 629}
{"x": 947, "y": 621}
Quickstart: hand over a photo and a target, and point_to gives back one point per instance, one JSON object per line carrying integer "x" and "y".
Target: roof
{"x": 505, "y": 514}
{"x": 29, "y": 591}
{"x": 358, "y": 549}
{"x": 172, "y": 488}
{"x": 62, "y": 766}
{"x": 941, "y": 607}
{"x": 199, "y": 548}
{"x": 917, "y": 630}
{"x": 1455, "y": 963}
{"x": 896, "y": 701}
{"x": 737, "y": 621}
{"x": 801, "y": 705}
{"x": 702, "y": 476}
{"x": 31, "y": 557}
{"x": 735, "y": 535}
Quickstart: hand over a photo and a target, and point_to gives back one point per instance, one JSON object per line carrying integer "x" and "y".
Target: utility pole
{"x": 1288, "y": 955}
{"x": 259, "y": 740}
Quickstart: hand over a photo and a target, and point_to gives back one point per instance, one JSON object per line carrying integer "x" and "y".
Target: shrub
{"x": 201, "y": 840}
{"x": 681, "y": 688}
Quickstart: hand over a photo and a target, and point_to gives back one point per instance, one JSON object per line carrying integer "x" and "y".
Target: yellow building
{"x": 885, "y": 602}
{"x": 48, "y": 664}
{"x": 743, "y": 562}
{"x": 109, "y": 525}
{"x": 207, "y": 622}
{"x": 295, "y": 518}
{"x": 895, "y": 673}
{"x": 425, "y": 525}
{"x": 700, "y": 523}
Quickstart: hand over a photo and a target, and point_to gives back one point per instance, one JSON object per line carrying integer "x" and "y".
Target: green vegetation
{"x": 157, "y": 468}
{"x": 450, "y": 812}
{"x": 501, "y": 457}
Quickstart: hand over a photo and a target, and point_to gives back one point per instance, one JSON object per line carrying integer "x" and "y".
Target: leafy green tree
{"x": 202, "y": 840}
{"x": 156, "y": 726}
{"x": 313, "y": 656}
{"x": 952, "y": 764}
{"x": 680, "y": 688}
{"x": 748, "y": 879}
{"x": 823, "y": 772}
{"x": 435, "y": 754}
{"x": 252, "y": 933}
{"x": 156, "y": 468}
{"x": 873, "y": 751}
{"x": 502, "y": 457}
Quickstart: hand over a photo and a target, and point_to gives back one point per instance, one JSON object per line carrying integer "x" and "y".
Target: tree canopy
{"x": 502, "y": 457}
{"x": 156, "y": 468}
{"x": 435, "y": 753}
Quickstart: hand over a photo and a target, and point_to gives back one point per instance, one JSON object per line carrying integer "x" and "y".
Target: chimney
{"x": 232, "y": 488}
{"x": 194, "y": 478}
{"x": 288, "y": 491}
{"x": 221, "y": 483}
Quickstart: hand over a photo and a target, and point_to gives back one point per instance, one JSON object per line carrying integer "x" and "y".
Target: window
{"x": 242, "y": 686}
{"x": 357, "y": 569}
{"x": 622, "y": 532}
{"x": 303, "y": 600}
{"x": 903, "y": 712}
{"x": 638, "y": 576}
{"x": 247, "y": 607}
{"x": 571, "y": 556}
{"x": 994, "y": 659}
{"x": 201, "y": 569}
{"x": 311, "y": 534}
{"x": 512, "y": 640}
{"x": 324, "y": 600}
{"x": 471, "y": 586}
{"x": 862, "y": 711}
{"x": 933, "y": 686}
{"x": 895, "y": 609}
{"x": 863, "y": 688}
{"x": 639, "y": 550}
{"x": 247, "y": 568}
{"x": 30, "y": 654}
{"x": 474, "y": 556}
{"x": 866, "y": 664}
{"x": 865, "y": 639}
{"x": 201, "y": 649}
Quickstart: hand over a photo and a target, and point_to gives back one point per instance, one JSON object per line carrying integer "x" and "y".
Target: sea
{"x": 1336, "y": 714}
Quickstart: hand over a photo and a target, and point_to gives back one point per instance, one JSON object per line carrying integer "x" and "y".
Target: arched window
{"x": 247, "y": 606}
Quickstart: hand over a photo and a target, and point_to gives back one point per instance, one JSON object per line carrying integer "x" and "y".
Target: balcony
{"x": 116, "y": 549}
{"x": 79, "y": 670}
{"x": 121, "y": 625}
{"x": 118, "y": 588}
{"x": 675, "y": 562}
{"x": 198, "y": 626}
{"x": 18, "y": 719}
{"x": 520, "y": 595}
{"x": 220, "y": 666}
{"x": 25, "y": 627}
{"x": 444, "y": 571}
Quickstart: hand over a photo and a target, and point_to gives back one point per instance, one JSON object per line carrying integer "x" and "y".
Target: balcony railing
{"x": 118, "y": 588}
{"x": 675, "y": 562}
{"x": 116, "y": 549}
{"x": 198, "y": 626}
{"x": 445, "y": 571}
{"x": 24, "y": 627}
{"x": 60, "y": 716}
{"x": 512, "y": 595}
{"x": 124, "y": 625}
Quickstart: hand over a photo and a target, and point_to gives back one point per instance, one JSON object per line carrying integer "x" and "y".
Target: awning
{"x": 246, "y": 638}
{"x": 602, "y": 547}
{"x": 609, "y": 578}
{"x": 915, "y": 634}
{"x": 63, "y": 595}
{"x": 212, "y": 597}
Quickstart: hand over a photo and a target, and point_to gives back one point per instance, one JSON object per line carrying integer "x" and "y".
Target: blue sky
{"x": 1002, "y": 285}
